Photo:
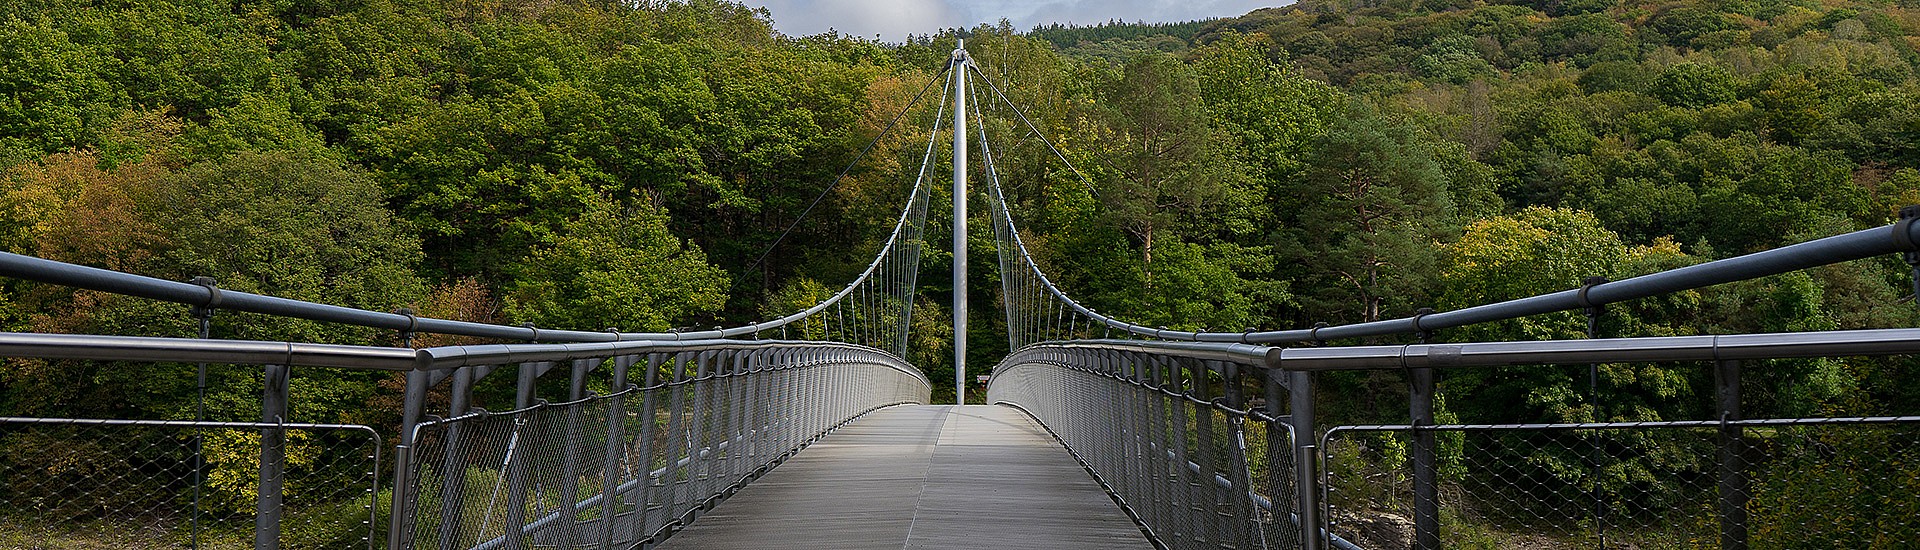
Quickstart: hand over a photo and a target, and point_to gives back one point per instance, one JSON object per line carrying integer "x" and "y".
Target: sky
{"x": 893, "y": 20}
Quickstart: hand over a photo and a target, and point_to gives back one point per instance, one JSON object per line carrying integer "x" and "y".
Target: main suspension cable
{"x": 843, "y": 176}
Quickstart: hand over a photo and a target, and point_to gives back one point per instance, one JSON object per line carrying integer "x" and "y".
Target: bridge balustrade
{"x": 696, "y": 422}
{"x": 1196, "y": 441}
{"x": 1190, "y": 438}
{"x": 623, "y": 466}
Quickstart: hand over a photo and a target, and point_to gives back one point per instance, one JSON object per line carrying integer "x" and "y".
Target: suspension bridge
{"x": 812, "y": 431}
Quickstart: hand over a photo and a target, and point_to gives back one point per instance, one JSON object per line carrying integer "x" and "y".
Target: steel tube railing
{"x": 1614, "y": 350}
{"x": 247, "y": 352}
{"x": 1857, "y": 245}
{"x": 1135, "y": 412}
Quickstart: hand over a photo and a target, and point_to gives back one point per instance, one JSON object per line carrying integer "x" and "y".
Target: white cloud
{"x": 893, "y": 20}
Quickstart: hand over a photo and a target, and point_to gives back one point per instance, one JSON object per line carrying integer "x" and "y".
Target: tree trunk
{"x": 1146, "y": 255}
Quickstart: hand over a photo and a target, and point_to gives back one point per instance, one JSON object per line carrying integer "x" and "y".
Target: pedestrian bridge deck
{"x": 973, "y": 476}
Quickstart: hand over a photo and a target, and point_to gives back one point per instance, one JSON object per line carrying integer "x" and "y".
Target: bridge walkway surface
{"x": 940, "y": 476}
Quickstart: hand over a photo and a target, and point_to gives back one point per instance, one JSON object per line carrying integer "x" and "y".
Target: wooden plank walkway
{"x": 921, "y": 477}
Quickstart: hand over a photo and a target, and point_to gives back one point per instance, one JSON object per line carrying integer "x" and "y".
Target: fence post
{"x": 273, "y": 459}
{"x": 413, "y": 406}
{"x": 1205, "y": 452}
{"x": 1306, "y": 458}
{"x": 610, "y": 462}
{"x": 1426, "y": 488}
{"x": 453, "y": 469}
{"x": 527, "y": 430}
{"x": 1733, "y": 475}
{"x": 1277, "y": 434}
{"x": 649, "y": 421}
{"x": 1246, "y": 516}
{"x": 572, "y": 443}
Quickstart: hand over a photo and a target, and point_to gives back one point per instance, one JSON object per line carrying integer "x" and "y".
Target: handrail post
{"x": 616, "y": 439}
{"x": 1275, "y": 432}
{"x": 1306, "y": 458}
{"x": 453, "y": 469}
{"x": 1426, "y": 488}
{"x": 414, "y": 404}
{"x": 572, "y": 448}
{"x": 1733, "y": 475}
{"x": 516, "y": 474}
{"x": 273, "y": 459}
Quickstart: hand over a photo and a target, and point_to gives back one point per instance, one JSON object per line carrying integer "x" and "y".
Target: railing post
{"x": 1246, "y": 516}
{"x": 1205, "y": 453}
{"x": 526, "y": 427}
{"x": 523, "y": 387}
{"x": 1426, "y": 488}
{"x": 414, "y": 404}
{"x": 1733, "y": 475}
{"x": 1306, "y": 458}
{"x": 570, "y": 461}
{"x": 453, "y": 469}
{"x": 273, "y": 459}
{"x": 610, "y": 460}
{"x": 203, "y": 315}
{"x": 739, "y": 462}
{"x": 700, "y": 438}
{"x": 676, "y": 438}
{"x": 649, "y": 418}
{"x": 1276, "y": 477}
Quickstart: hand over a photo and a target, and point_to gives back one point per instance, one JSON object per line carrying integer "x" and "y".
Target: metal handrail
{"x": 298, "y": 354}
{"x": 1725, "y": 347}
{"x": 1846, "y": 247}
{"x": 1729, "y": 347}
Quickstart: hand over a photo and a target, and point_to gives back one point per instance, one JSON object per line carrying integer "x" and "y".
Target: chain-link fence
{"x": 1794, "y": 483}
{"x": 87, "y": 484}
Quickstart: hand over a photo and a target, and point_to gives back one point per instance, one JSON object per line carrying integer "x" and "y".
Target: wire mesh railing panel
{"x": 633, "y": 467}
{"x": 1169, "y": 436}
{"x": 1796, "y": 483}
{"x": 1271, "y": 468}
{"x": 83, "y": 483}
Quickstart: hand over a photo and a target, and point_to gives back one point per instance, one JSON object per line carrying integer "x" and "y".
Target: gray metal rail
{"x": 1857, "y": 245}
{"x": 1167, "y": 425}
{"x": 1142, "y": 414}
{"x": 732, "y": 410}
{"x": 696, "y": 423}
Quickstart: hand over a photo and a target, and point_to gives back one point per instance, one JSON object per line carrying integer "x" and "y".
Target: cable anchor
{"x": 204, "y": 312}
{"x": 413, "y": 326}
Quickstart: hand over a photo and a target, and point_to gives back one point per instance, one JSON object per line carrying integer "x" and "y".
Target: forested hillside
{"x": 582, "y": 164}
{"x": 1340, "y": 162}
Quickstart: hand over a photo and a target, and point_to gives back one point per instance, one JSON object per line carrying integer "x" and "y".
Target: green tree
{"x": 1376, "y": 201}
{"x": 1695, "y": 85}
{"x": 53, "y": 93}
{"x": 1171, "y": 165}
{"x": 615, "y": 266}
